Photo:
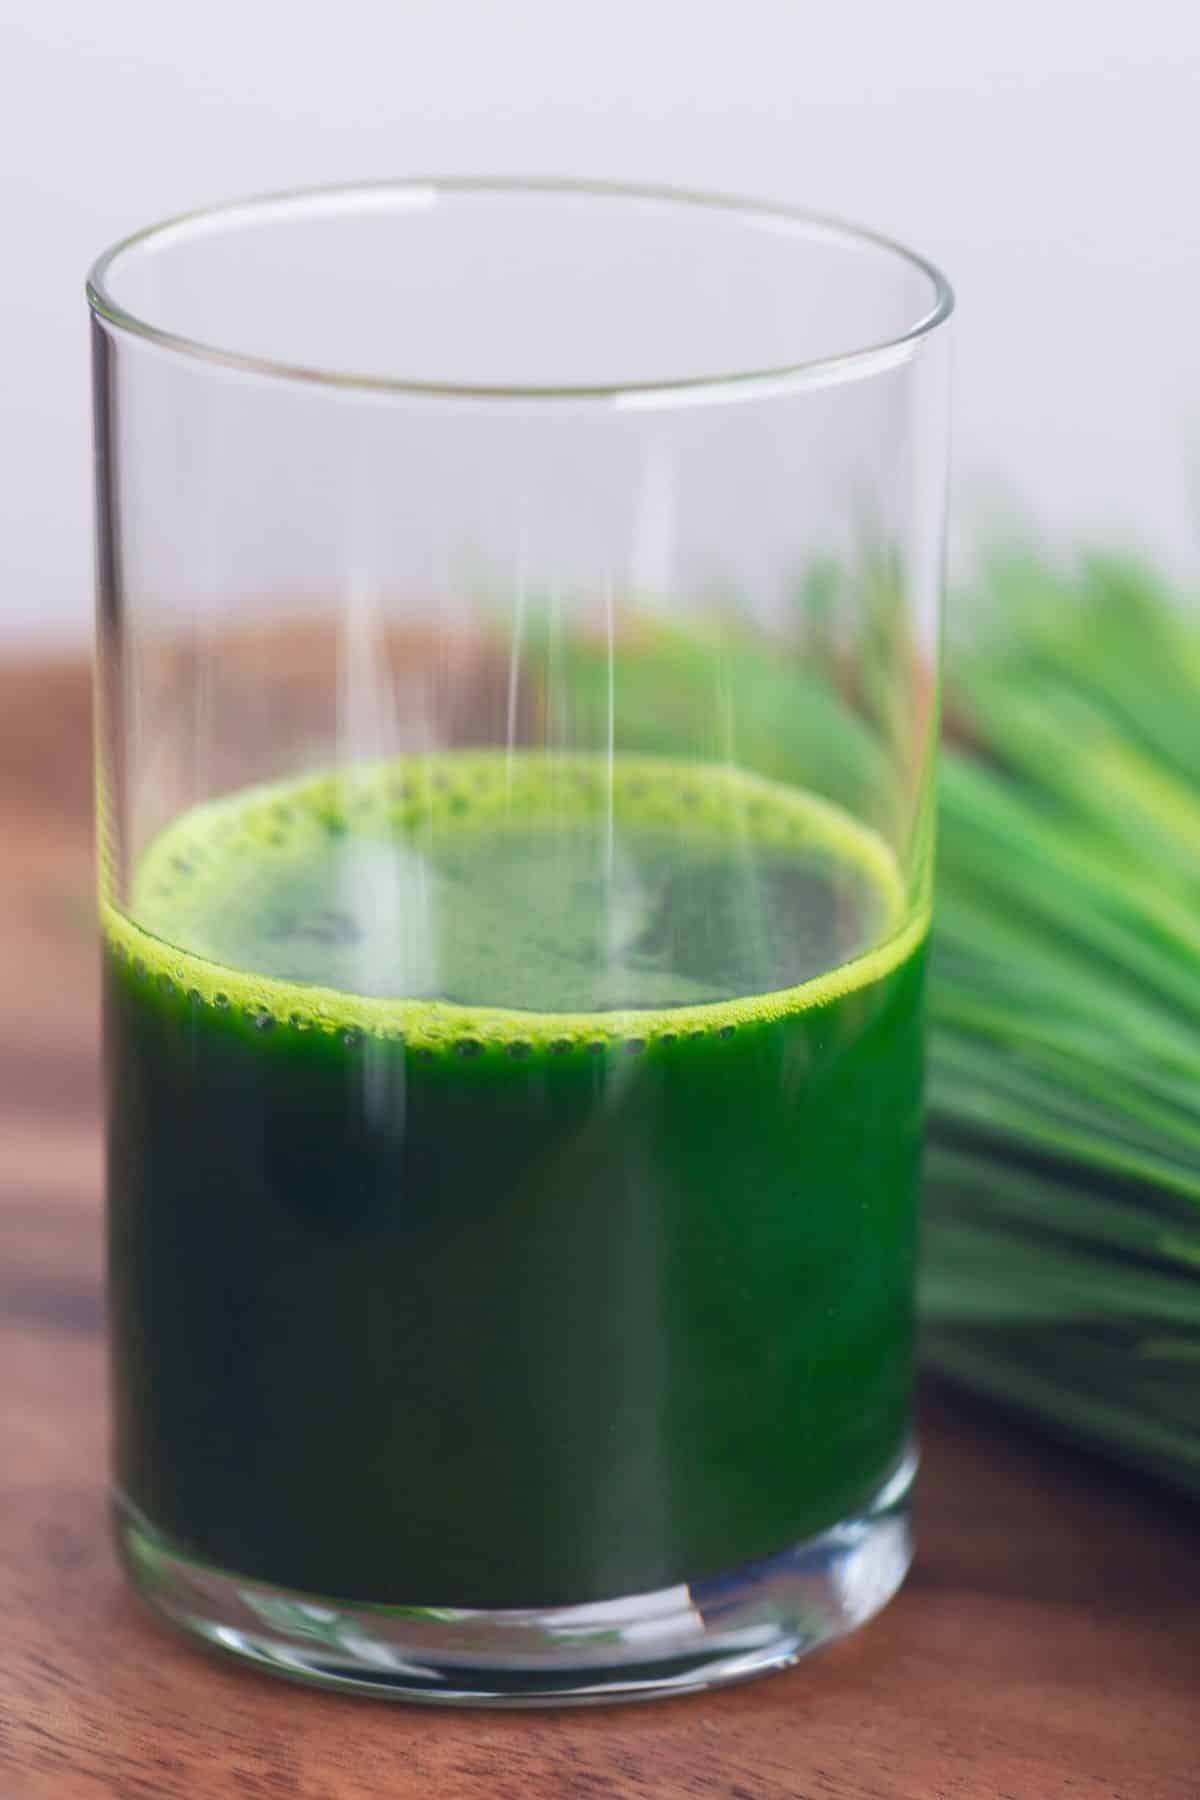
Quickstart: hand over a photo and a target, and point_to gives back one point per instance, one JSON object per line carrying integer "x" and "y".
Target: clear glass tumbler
{"x": 517, "y": 698}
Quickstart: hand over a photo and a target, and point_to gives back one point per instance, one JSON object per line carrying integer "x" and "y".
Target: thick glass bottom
{"x": 729, "y": 1627}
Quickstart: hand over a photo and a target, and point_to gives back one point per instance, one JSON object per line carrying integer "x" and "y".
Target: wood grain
{"x": 1047, "y": 1646}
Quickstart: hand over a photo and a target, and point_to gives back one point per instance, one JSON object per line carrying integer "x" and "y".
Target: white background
{"x": 1045, "y": 152}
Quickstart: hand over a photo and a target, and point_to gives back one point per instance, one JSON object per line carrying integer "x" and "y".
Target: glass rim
{"x": 416, "y": 190}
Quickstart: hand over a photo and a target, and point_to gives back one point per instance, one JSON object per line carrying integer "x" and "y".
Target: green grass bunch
{"x": 1062, "y": 1228}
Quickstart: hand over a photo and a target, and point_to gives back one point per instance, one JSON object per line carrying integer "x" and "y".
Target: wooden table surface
{"x": 1047, "y": 1644}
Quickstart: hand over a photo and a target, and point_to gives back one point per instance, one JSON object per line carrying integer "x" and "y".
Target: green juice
{"x": 513, "y": 1165}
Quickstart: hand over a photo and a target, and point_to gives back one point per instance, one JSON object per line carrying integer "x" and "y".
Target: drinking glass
{"x": 516, "y": 708}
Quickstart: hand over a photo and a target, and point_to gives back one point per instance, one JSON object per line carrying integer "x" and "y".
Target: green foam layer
{"x": 421, "y": 798}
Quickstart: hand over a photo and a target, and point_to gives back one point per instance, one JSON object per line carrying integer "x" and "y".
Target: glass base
{"x": 762, "y": 1616}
